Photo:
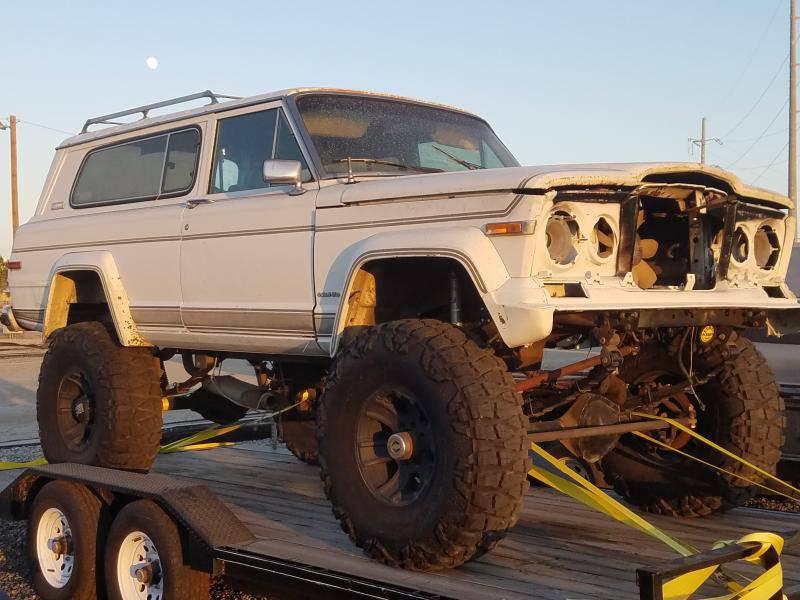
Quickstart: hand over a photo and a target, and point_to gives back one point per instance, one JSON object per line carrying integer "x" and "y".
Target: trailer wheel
{"x": 300, "y": 437}
{"x": 99, "y": 403}
{"x": 145, "y": 560}
{"x": 65, "y": 531}
{"x": 422, "y": 445}
{"x": 742, "y": 411}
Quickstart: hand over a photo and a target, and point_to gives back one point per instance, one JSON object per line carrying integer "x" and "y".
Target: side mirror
{"x": 284, "y": 172}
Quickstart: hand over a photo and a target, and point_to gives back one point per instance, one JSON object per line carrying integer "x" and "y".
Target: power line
{"x": 766, "y": 135}
{"x": 760, "y": 98}
{"x": 755, "y": 168}
{"x": 753, "y": 54}
{"x": 771, "y": 164}
{"x": 760, "y": 137}
{"x": 47, "y": 127}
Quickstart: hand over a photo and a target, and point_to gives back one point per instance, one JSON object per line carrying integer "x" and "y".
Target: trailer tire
{"x": 142, "y": 534}
{"x": 464, "y": 487}
{"x": 744, "y": 414}
{"x": 99, "y": 403}
{"x": 64, "y": 508}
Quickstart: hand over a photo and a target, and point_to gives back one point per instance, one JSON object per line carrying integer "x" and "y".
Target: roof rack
{"x": 105, "y": 119}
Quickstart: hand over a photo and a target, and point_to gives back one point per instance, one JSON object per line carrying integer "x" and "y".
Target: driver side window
{"x": 243, "y": 144}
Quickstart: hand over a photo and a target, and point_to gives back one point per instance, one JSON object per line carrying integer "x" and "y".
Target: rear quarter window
{"x": 163, "y": 165}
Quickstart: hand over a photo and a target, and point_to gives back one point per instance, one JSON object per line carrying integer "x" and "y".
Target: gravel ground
{"x": 774, "y": 503}
{"x": 14, "y": 573}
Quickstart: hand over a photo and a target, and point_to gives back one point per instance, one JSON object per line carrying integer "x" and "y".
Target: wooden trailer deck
{"x": 560, "y": 549}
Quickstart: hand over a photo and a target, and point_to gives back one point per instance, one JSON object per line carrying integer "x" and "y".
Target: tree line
{"x": 3, "y": 274}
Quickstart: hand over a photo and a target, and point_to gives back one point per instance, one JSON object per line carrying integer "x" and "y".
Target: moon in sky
{"x": 152, "y": 63}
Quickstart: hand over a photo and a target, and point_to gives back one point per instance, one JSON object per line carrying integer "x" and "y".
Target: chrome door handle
{"x": 195, "y": 202}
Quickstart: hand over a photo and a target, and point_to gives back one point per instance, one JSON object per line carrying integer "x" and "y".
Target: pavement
{"x": 20, "y": 361}
{"x": 19, "y": 374}
{"x": 784, "y": 359}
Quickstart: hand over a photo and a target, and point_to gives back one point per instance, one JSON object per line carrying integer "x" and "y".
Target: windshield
{"x": 389, "y": 136}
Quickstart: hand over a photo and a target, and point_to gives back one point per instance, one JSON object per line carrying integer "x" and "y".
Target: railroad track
{"x": 12, "y": 350}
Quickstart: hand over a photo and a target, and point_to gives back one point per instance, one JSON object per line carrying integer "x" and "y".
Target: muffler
{"x": 240, "y": 392}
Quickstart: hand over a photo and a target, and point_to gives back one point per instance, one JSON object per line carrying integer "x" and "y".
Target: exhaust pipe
{"x": 239, "y": 392}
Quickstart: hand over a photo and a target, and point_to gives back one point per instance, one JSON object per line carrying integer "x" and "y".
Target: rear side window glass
{"x": 243, "y": 144}
{"x": 181, "y": 164}
{"x": 143, "y": 169}
{"x": 127, "y": 172}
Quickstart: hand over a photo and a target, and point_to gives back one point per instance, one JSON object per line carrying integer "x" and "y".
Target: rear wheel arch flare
{"x": 86, "y": 292}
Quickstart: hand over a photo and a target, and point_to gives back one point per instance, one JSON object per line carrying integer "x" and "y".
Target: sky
{"x": 561, "y": 82}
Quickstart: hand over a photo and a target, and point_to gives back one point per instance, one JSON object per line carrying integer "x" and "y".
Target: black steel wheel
{"x": 99, "y": 403}
{"x": 75, "y": 406}
{"x": 396, "y": 448}
{"x": 423, "y": 448}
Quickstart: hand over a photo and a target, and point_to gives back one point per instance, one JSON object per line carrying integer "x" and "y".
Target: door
{"x": 130, "y": 196}
{"x": 246, "y": 247}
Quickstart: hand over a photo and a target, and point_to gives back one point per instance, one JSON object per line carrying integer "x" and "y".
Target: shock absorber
{"x": 455, "y": 298}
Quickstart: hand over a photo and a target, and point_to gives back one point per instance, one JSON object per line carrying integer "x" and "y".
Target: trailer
{"x": 257, "y": 517}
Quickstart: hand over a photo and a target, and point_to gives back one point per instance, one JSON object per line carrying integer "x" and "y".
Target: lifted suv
{"x": 386, "y": 265}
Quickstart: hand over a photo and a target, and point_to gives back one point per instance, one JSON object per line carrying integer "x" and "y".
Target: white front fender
{"x": 467, "y": 245}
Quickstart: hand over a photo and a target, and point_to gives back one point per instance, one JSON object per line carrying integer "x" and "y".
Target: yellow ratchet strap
{"x": 7, "y": 466}
{"x": 682, "y": 587}
{"x": 196, "y": 441}
{"x": 764, "y": 587}
{"x": 769, "y": 476}
{"x": 585, "y": 492}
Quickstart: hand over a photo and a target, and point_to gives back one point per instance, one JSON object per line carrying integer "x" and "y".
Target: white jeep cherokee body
{"x": 388, "y": 268}
{"x": 161, "y": 220}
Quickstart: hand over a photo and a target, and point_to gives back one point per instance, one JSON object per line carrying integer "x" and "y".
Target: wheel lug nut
{"x": 400, "y": 446}
{"x": 144, "y": 574}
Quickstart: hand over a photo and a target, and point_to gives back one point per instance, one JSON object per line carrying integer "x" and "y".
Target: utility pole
{"x": 12, "y": 127}
{"x": 703, "y": 141}
{"x": 793, "y": 103}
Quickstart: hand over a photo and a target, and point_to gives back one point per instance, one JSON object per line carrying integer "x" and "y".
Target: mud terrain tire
{"x": 99, "y": 403}
{"x": 744, "y": 414}
{"x": 470, "y": 439}
{"x": 300, "y": 437}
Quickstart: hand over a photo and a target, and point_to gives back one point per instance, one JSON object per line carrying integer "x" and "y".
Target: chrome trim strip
{"x": 158, "y": 316}
{"x": 34, "y": 315}
{"x": 324, "y": 324}
{"x": 248, "y": 232}
{"x": 99, "y": 244}
{"x": 171, "y": 238}
{"x": 278, "y": 230}
{"x": 276, "y": 333}
{"x": 248, "y": 319}
{"x": 433, "y": 219}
